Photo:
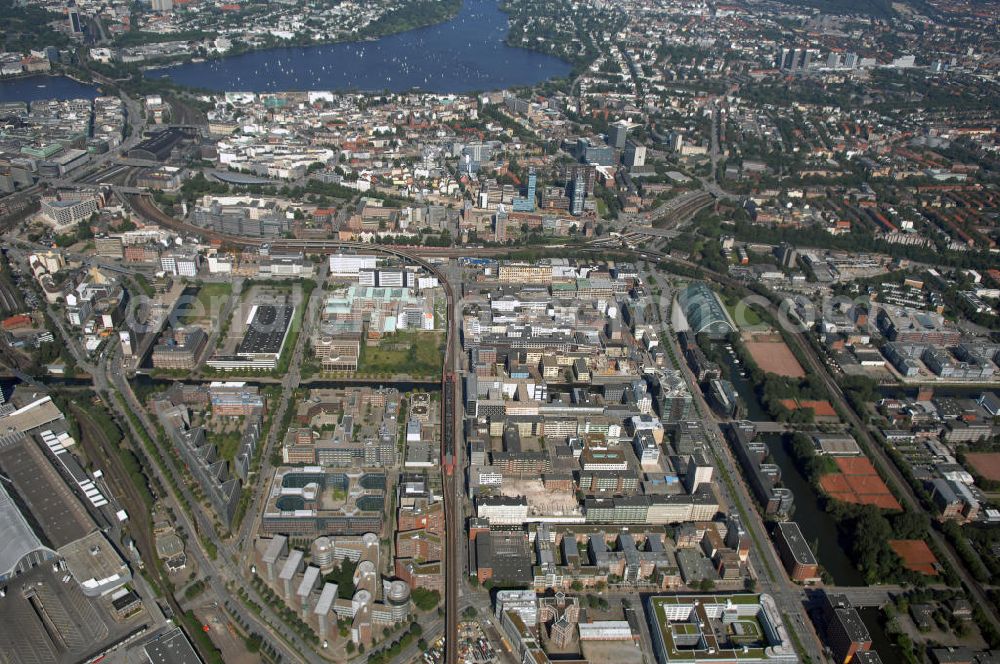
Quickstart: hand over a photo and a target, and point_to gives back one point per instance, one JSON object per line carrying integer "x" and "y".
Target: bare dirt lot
{"x": 612, "y": 652}
{"x": 986, "y": 464}
{"x": 773, "y": 356}
{"x": 541, "y": 501}
{"x": 224, "y": 635}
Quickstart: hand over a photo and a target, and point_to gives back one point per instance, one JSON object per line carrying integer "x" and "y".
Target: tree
{"x": 424, "y": 599}
{"x": 870, "y": 534}
{"x": 253, "y": 643}
{"x": 343, "y": 576}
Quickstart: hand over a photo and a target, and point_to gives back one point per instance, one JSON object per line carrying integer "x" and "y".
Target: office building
{"x": 617, "y": 135}
{"x": 578, "y": 192}
{"x": 349, "y": 265}
{"x": 75, "y": 23}
{"x": 799, "y": 560}
{"x": 635, "y": 155}
{"x": 731, "y": 629}
{"x": 63, "y": 213}
{"x": 846, "y": 633}
{"x": 527, "y": 204}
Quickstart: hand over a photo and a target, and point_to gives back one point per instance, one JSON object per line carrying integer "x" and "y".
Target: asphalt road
{"x": 769, "y": 572}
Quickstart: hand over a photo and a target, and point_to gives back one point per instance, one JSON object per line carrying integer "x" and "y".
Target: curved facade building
{"x": 703, "y": 311}
{"x": 397, "y": 599}
{"x": 322, "y": 553}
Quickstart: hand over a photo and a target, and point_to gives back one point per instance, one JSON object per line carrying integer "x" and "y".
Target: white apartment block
{"x": 349, "y": 265}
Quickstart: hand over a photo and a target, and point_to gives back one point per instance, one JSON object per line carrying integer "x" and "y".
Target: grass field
{"x": 208, "y": 303}
{"x": 407, "y": 352}
{"x": 294, "y": 328}
{"x": 227, "y": 444}
{"x": 747, "y": 316}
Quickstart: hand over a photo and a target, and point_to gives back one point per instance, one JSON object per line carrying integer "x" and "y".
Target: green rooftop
{"x": 737, "y": 641}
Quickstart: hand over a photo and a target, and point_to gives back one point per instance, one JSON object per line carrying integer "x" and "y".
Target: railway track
{"x": 449, "y": 429}
{"x": 97, "y": 446}
{"x": 891, "y": 472}
{"x": 691, "y": 206}
{"x": 449, "y": 458}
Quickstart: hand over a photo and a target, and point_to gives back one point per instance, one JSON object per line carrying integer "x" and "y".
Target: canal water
{"x": 886, "y": 649}
{"x": 816, "y": 525}
{"x": 464, "y": 54}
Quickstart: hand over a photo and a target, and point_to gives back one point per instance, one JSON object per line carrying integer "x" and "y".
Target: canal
{"x": 881, "y": 643}
{"x": 816, "y": 525}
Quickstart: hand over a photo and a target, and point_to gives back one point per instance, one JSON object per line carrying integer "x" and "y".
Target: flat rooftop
{"x": 38, "y": 412}
{"x": 171, "y": 648}
{"x": 697, "y": 633}
{"x": 266, "y": 329}
{"x": 797, "y": 543}
{"x": 82, "y": 625}
{"x": 93, "y": 562}
{"x": 50, "y": 503}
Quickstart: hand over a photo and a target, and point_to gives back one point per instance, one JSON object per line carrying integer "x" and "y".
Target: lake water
{"x": 37, "y": 88}
{"x": 464, "y": 54}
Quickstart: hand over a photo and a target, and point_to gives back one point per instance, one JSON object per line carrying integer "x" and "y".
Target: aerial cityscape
{"x": 500, "y": 331}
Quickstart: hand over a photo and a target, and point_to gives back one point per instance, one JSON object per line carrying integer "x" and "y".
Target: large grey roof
{"x": 17, "y": 539}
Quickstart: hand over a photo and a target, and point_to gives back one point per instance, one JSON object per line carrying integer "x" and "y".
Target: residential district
{"x": 693, "y": 355}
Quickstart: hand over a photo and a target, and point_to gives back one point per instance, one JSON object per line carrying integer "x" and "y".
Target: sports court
{"x": 916, "y": 556}
{"x": 858, "y": 482}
